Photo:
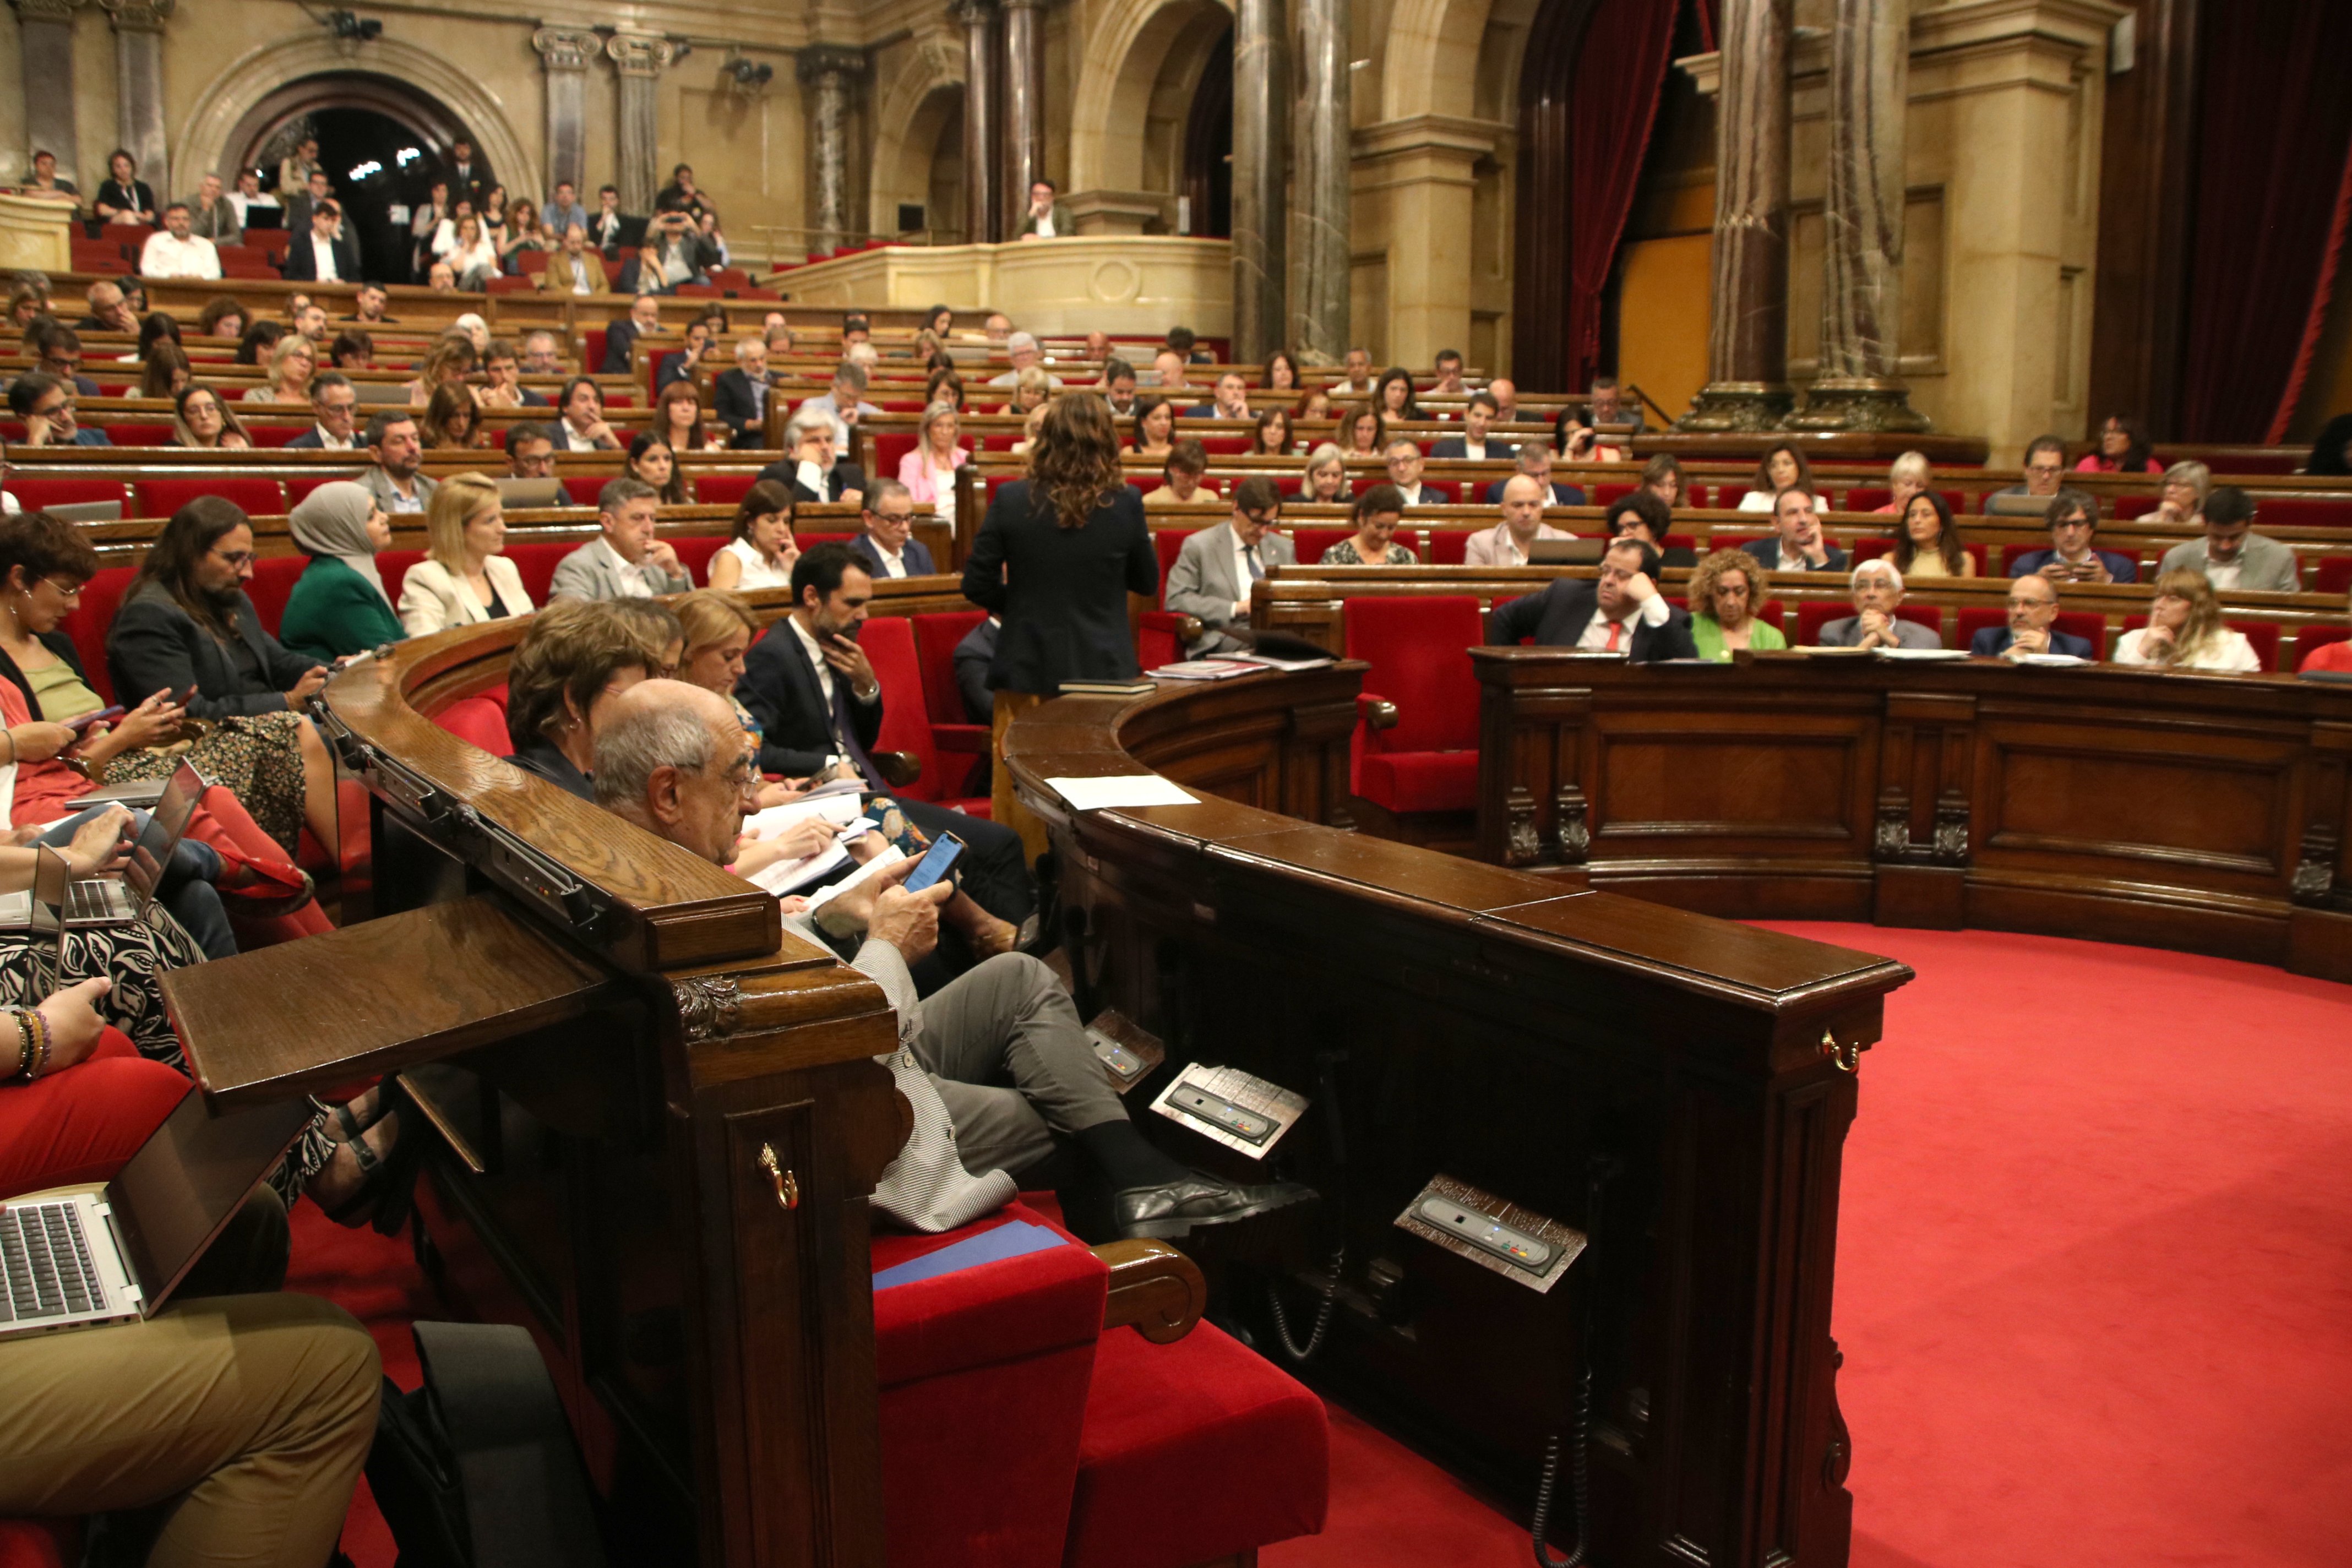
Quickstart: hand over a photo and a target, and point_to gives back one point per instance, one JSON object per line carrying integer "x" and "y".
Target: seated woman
{"x": 1315, "y": 405}
{"x": 2180, "y": 495}
{"x": 1377, "y": 513}
{"x": 353, "y": 350}
{"x": 165, "y": 374}
{"x": 187, "y": 625}
{"x": 578, "y": 655}
{"x": 680, "y": 419}
{"x": 2336, "y": 657}
{"x": 464, "y": 578}
{"x": 1155, "y": 428}
{"x": 759, "y": 551}
{"x": 1031, "y": 389}
{"x": 944, "y": 386}
{"x": 1662, "y": 476}
{"x": 339, "y": 606}
{"x": 929, "y": 472}
{"x": 258, "y": 339}
{"x": 2123, "y": 450}
{"x": 451, "y": 361}
{"x": 1929, "y": 544}
{"x": 1725, "y": 592}
{"x": 451, "y": 420}
{"x": 222, "y": 316}
{"x": 1031, "y": 424}
{"x": 78, "y": 1110}
{"x": 1326, "y": 480}
{"x": 1576, "y": 442}
{"x": 292, "y": 362}
{"x": 199, "y": 418}
{"x": 651, "y": 459}
{"x": 1272, "y": 438}
{"x": 1363, "y": 433}
{"x": 1905, "y": 477}
{"x": 1877, "y": 588}
{"x": 2184, "y": 630}
{"x": 1643, "y": 516}
{"x": 1779, "y": 468}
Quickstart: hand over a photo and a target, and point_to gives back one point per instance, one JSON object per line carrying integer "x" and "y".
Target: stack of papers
{"x": 865, "y": 873}
{"x": 1270, "y": 662}
{"x": 1122, "y": 790}
{"x": 839, "y": 807}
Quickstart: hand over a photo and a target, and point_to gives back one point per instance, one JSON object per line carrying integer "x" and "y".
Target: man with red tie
{"x": 1621, "y": 613}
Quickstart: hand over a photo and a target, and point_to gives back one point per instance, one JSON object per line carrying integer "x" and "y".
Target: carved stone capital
{"x": 566, "y": 49}
{"x": 60, "y": 11}
{"x": 707, "y": 1004}
{"x": 971, "y": 14}
{"x": 138, "y": 16}
{"x": 640, "y": 54}
{"x": 823, "y": 60}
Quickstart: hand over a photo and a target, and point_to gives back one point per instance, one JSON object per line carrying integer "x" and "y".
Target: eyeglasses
{"x": 69, "y": 592}
{"x": 234, "y": 557}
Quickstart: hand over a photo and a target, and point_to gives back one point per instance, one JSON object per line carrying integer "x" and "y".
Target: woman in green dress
{"x": 1726, "y": 591}
{"x": 339, "y": 606}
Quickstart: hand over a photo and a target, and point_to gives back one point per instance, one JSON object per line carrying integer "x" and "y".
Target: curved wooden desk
{"x": 1679, "y": 1086}
{"x": 2207, "y": 813}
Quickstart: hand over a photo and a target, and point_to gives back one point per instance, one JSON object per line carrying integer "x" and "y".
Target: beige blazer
{"x": 434, "y": 598}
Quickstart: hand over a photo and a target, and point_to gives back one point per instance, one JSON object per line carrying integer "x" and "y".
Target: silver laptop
{"x": 87, "y": 511}
{"x": 374, "y": 392}
{"x": 105, "y": 900}
{"x": 76, "y": 1258}
{"x": 533, "y": 492}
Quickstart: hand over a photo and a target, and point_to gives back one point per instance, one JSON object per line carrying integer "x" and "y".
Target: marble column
{"x": 1859, "y": 387}
{"x": 827, "y": 75}
{"x": 1261, "y": 156}
{"x": 640, "y": 58}
{"x": 1025, "y": 109}
{"x": 1748, "y": 339}
{"x": 978, "y": 120}
{"x": 1320, "y": 186}
{"x": 563, "y": 56}
{"x": 138, "y": 86}
{"x": 45, "y": 28}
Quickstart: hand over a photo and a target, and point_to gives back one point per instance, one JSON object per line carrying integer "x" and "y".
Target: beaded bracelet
{"x": 42, "y": 1041}
{"x": 25, "y": 1058}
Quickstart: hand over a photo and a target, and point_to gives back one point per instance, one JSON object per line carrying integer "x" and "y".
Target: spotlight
{"x": 345, "y": 25}
{"x": 748, "y": 74}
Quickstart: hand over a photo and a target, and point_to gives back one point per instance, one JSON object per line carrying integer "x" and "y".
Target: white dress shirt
{"x": 633, "y": 580}
{"x": 573, "y": 441}
{"x": 1650, "y": 612}
{"x": 330, "y": 441}
{"x": 1242, "y": 575}
{"x": 894, "y": 562}
{"x": 2224, "y": 574}
{"x": 579, "y": 265}
{"x": 323, "y": 252}
{"x": 757, "y": 573}
{"x": 166, "y": 255}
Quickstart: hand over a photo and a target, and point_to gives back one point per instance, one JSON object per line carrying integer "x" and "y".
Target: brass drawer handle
{"x": 1845, "y": 1059}
{"x": 788, "y": 1186}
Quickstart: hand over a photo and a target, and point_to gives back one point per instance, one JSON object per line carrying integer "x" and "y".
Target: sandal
{"x": 387, "y": 1182}
{"x": 259, "y": 890}
{"x": 354, "y": 1127}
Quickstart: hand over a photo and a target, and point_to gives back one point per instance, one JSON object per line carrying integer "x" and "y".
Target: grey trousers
{"x": 1004, "y": 1043}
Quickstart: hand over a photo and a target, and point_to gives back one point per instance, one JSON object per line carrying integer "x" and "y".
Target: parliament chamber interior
{"x": 1140, "y": 784}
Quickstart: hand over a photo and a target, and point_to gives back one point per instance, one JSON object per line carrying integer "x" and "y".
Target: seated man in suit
{"x": 325, "y": 253}
{"x": 334, "y": 409}
{"x": 610, "y": 229}
{"x": 973, "y": 655}
{"x": 1800, "y": 545}
{"x": 1231, "y": 400}
{"x": 1214, "y": 571}
{"x": 812, "y": 472}
{"x": 818, "y": 705}
{"x": 1877, "y": 589}
{"x": 627, "y": 562}
{"x": 887, "y": 546}
{"x": 2074, "y": 518}
{"x": 1535, "y": 463}
{"x": 1621, "y": 612}
{"x": 397, "y": 479}
{"x": 621, "y": 337}
{"x": 2033, "y": 614}
{"x": 1476, "y": 415}
{"x": 2045, "y": 472}
{"x": 2233, "y": 559}
{"x": 844, "y": 403}
{"x": 1506, "y": 544}
{"x": 741, "y": 394}
{"x": 576, "y": 269}
{"x": 530, "y": 452}
{"x": 502, "y": 385}
{"x": 1405, "y": 472}
{"x": 999, "y": 1054}
{"x": 1643, "y": 516}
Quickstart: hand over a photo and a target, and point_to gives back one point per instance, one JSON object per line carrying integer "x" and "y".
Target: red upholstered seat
{"x": 2304, "y": 511}
{"x": 583, "y": 488}
{"x": 87, "y": 625}
{"x": 273, "y": 582}
{"x": 1417, "y": 648}
{"x": 723, "y": 490}
{"x": 2134, "y": 505}
{"x": 1604, "y": 494}
{"x": 33, "y": 493}
{"x": 258, "y": 497}
{"x": 889, "y": 644}
{"x": 272, "y": 436}
{"x": 392, "y": 566}
{"x": 40, "y": 1542}
{"x": 139, "y": 433}
{"x": 533, "y": 262}
{"x": 1813, "y": 614}
{"x": 1448, "y": 546}
{"x": 891, "y": 448}
{"x": 961, "y": 744}
{"x": 695, "y": 551}
{"x": 1225, "y": 445}
{"x": 2334, "y": 575}
{"x": 535, "y": 562}
{"x": 480, "y": 721}
{"x": 1311, "y": 543}
{"x": 1727, "y": 497}
{"x": 504, "y": 284}
{"x": 1169, "y": 542}
{"x": 592, "y": 351}
{"x": 299, "y": 486}
{"x": 1193, "y": 1451}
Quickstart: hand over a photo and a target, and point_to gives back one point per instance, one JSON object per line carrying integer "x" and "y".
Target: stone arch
{"x": 1430, "y": 63}
{"x": 1138, "y": 52}
{"x": 240, "y": 87}
{"x": 923, "y": 100}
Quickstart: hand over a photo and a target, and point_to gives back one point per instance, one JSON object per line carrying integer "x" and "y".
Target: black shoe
{"x": 1173, "y": 1208}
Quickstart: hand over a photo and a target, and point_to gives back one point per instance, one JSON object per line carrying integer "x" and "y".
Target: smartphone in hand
{"x": 105, "y": 715}
{"x": 935, "y": 864}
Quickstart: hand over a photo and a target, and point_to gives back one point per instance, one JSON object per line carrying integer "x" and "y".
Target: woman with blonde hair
{"x": 464, "y": 579}
{"x": 1326, "y": 481}
{"x": 1906, "y": 477}
{"x": 201, "y": 418}
{"x": 2184, "y": 630}
{"x": 451, "y": 361}
{"x": 1725, "y": 591}
{"x": 929, "y": 472}
{"x": 761, "y": 553}
{"x": 452, "y": 420}
{"x": 292, "y": 363}
{"x": 1030, "y": 388}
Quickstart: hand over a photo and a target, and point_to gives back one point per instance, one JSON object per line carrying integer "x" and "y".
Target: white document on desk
{"x": 783, "y": 877}
{"x": 1123, "y": 790}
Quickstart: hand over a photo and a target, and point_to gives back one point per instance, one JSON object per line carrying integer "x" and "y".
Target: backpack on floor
{"x": 477, "y": 1468}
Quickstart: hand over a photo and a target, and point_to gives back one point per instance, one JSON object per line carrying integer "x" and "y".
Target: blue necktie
{"x": 1257, "y": 568}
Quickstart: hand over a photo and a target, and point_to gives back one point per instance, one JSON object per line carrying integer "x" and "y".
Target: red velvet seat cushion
{"x": 1193, "y": 1451}
{"x": 39, "y": 1543}
{"x": 1421, "y": 781}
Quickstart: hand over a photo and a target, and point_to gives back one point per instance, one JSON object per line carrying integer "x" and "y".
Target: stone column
{"x": 826, "y": 74}
{"x": 1859, "y": 387}
{"x": 1261, "y": 137}
{"x": 563, "y": 56}
{"x": 1025, "y": 109}
{"x": 979, "y": 121}
{"x": 640, "y": 57}
{"x": 1748, "y": 342}
{"x": 47, "y": 29}
{"x": 139, "y": 88}
{"x": 1319, "y": 189}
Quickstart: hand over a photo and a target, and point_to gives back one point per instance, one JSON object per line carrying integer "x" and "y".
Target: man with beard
{"x": 399, "y": 453}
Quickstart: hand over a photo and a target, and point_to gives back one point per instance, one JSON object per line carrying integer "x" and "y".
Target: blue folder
{"x": 1017, "y": 1239}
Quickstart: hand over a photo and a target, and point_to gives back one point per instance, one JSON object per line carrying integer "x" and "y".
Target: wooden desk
{"x": 2207, "y": 813}
{"x": 1446, "y": 1017}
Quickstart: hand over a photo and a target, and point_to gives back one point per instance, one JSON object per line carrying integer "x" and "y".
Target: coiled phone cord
{"x": 1578, "y": 1484}
{"x": 1291, "y": 1347}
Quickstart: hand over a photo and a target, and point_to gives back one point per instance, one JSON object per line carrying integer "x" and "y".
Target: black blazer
{"x": 620, "y": 338}
{"x": 843, "y": 475}
{"x": 1558, "y": 616}
{"x": 1065, "y": 609}
{"x": 1991, "y": 642}
{"x": 62, "y": 645}
{"x": 779, "y": 686}
{"x": 302, "y": 266}
{"x": 972, "y": 657}
{"x": 542, "y": 757}
{"x": 1456, "y": 447}
{"x": 731, "y": 394}
{"x": 917, "y": 556}
{"x": 154, "y": 643}
{"x": 137, "y": 196}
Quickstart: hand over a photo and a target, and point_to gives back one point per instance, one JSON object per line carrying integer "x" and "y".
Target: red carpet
{"x": 2095, "y": 1284}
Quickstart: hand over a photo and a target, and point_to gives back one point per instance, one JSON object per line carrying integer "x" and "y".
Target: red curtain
{"x": 2274, "y": 130}
{"x": 1621, "y": 74}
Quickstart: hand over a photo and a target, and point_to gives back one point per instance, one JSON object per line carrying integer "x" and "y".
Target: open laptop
{"x": 76, "y": 1258}
{"x": 533, "y": 492}
{"x": 105, "y": 900}
{"x": 374, "y": 392}
{"x": 86, "y": 511}
{"x": 1567, "y": 551}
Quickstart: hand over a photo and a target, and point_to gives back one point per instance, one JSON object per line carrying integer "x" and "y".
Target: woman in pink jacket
{"x": 929, "y": 472}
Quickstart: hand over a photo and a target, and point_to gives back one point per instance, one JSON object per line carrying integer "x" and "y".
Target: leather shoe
{"x": 1173, "y": 1208}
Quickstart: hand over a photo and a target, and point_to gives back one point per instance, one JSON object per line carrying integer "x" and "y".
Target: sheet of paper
{"x": 781, "y": 876}
{"x": 837, "y": 809}
{"x": 1124, "y": 790}
{"x": 832, "y": 891}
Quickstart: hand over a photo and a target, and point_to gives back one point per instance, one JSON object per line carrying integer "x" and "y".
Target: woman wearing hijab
{"x": 339, "y": 606}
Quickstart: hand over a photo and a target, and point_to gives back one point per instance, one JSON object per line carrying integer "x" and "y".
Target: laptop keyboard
{"x": 93, "y": 900}
{"x": 44, "y": 1260}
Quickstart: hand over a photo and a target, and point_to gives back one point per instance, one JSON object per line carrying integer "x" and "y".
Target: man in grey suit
{"x": 1877, "y": 589}
{"x": 998, "y": 1054}
{"x": 2234, "y": 558}
{"x": 399, "y": 453}
{"x": 627, "y": 562}
{"x": 1211, "y": 577}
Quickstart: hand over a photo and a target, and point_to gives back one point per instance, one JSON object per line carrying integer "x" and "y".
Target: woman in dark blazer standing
{"x": 1057, "y": 557}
